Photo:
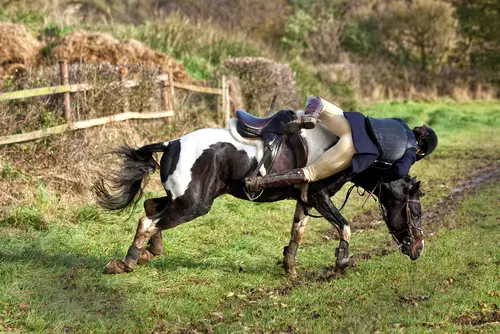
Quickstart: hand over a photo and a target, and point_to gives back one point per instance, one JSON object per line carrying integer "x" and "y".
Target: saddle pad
{"x": 256, "y": 142}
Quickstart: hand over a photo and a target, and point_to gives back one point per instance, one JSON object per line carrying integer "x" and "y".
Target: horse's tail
{"x": 119, "y": 188}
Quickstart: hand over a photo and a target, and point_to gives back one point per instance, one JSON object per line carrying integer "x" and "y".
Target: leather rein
{"x": 378, "y": 187}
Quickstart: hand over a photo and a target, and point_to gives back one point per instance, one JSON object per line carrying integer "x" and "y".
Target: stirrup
{"x": 304, "y": 122}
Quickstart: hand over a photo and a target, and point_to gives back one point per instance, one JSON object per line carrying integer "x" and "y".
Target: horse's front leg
{"x": 323, "y": 203}
{"x": 298, "y": 227}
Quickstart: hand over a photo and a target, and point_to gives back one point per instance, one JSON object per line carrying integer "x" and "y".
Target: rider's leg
{"x": 315, "y": 108}
{"x": 336, "y": 159}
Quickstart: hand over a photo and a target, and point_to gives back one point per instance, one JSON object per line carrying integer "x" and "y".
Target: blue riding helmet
{"x": 427, "y": 140}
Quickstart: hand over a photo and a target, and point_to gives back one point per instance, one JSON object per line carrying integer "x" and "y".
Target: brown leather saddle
{"x": 282, "y": 151}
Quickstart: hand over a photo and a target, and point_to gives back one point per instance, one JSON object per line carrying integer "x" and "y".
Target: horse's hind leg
{"x": 298, "y": 227}
{"x": 137, "y": 253}
{"x": 173, "y": 214}
{"x": 154, "y": 248}
{"x": 145, "y": 229}
{"x": 155, "y": 244}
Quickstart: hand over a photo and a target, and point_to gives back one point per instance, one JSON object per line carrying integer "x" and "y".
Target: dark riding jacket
{"x": 398, "y": 158}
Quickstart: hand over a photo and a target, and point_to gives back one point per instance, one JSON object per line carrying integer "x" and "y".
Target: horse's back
{"x": 207, "y": 153}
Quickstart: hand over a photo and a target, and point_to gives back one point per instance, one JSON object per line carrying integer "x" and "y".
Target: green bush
{"x": 200, "y": 46}
{"x": 344, "y": 94}
{"x": 479, "y": 26}
{"x": 315, "y": 34}
{"x": 32, "y": 19}
{"x": 262, "y": 19}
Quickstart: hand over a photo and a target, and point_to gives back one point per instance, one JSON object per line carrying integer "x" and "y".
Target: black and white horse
{"x": 204, "y": 164}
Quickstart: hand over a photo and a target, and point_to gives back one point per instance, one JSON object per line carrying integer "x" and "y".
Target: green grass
{"x": 221, "y": 271}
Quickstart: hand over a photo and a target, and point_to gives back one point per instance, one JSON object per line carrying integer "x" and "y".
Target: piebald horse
{"x": 204, "y": 164}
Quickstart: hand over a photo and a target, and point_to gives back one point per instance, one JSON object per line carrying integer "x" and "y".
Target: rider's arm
{"x": 401, "y": 167}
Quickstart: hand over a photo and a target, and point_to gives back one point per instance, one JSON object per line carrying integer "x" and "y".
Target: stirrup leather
{"x": 276, "y": 180}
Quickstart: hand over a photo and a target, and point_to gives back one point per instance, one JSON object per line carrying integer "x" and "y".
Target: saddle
{"x": 282, "y": 152}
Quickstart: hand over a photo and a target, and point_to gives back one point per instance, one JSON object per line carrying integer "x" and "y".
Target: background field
{"x": 221, "y": 272}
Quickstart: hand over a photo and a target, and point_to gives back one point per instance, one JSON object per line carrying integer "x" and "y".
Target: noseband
{"x": 410, "y": 226}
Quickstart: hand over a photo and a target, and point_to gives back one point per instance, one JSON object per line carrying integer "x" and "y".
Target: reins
{"x": 383, "y": 212}
{"x": 409, "y": 219}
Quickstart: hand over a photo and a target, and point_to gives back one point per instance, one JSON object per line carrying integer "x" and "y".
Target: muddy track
{"x": 462, "y": 187}
{"x": 445, "y": 206}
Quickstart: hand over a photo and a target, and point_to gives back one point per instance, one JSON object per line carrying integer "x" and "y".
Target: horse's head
{"x": 401, "y": 200}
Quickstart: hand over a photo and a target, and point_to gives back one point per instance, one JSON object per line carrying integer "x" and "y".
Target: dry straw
{"x": 259, "y": 79}
{"x": 18, "y": 49}
{"x": 94, "y": 47}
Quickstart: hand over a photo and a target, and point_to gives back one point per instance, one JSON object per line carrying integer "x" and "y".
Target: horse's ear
{"x": 415, "y": 188}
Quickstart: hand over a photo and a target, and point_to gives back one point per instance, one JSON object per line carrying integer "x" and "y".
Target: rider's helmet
{"x": 427, "y": 140}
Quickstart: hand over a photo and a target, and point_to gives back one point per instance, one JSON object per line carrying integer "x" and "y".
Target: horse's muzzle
{"x": 413, "y": 251}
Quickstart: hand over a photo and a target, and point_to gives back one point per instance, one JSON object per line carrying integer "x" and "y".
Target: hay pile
{"x": 94, "y": 47}
{"x": 259, "y": 79}
{"x": 19, "y": 49}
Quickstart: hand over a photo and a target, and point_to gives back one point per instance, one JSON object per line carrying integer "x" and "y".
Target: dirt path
{"x": 369, "y": 220}
{"x": 432, "y": 217}
{"x": 462, "y": 189}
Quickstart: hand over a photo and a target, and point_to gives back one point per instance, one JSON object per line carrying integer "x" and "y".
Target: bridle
{"x": 410, "y": 226}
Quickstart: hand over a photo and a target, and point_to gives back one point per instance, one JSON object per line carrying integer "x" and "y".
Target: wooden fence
{"x": 167, "y": 96}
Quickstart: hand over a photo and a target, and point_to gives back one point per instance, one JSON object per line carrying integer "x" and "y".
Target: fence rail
{"x": 167, "y": 97}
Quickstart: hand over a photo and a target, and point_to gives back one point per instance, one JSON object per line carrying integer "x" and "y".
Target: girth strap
{"x": 270, "y": 149}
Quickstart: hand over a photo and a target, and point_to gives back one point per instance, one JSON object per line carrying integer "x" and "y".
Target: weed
{"x": 9, "y": 172}
{"x": 89, "y": 214}
{"x": 25, "y": 218}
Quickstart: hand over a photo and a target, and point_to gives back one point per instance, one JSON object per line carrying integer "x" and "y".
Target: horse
{"x": 200, "y": 166}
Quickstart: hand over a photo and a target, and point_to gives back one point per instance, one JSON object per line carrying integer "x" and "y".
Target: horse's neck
{"x": 319, "y": 139}
{"x": 369, "y": 180}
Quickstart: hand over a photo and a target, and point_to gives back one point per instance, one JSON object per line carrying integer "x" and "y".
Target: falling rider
{"x": 363, "y": 141}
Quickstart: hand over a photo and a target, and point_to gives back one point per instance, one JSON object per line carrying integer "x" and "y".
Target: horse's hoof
{"x": 341, "y": 265}
{"x": 146, "y": 256}
{"x": 116, "y": 267}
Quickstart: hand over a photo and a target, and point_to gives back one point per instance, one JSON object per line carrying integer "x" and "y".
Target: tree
{"x": 316, "y": 29}
{"x": 479, "y": 27}
{"x": 420, "y": 31}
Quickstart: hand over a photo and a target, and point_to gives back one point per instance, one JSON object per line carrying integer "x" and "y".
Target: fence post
{"x": 223, "y": 96}
{"x": 64, "y": 77}
{"x": 165, "y": 103}
{"x": 123, "y": 74}
{"x": 226, "y": 106}
{"x": 172, "y": 91}
{"x": 218, "y": 101}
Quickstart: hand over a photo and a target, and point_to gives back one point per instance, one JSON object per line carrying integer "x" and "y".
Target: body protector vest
{"x": 392, "y": 137}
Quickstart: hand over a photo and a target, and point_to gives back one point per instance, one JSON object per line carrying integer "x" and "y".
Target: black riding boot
{"x": 275, "y": 180}
{"x": 314, "y": 107}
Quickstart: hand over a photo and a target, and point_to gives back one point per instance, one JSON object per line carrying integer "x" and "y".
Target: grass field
{"x": 221, "y": 273}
